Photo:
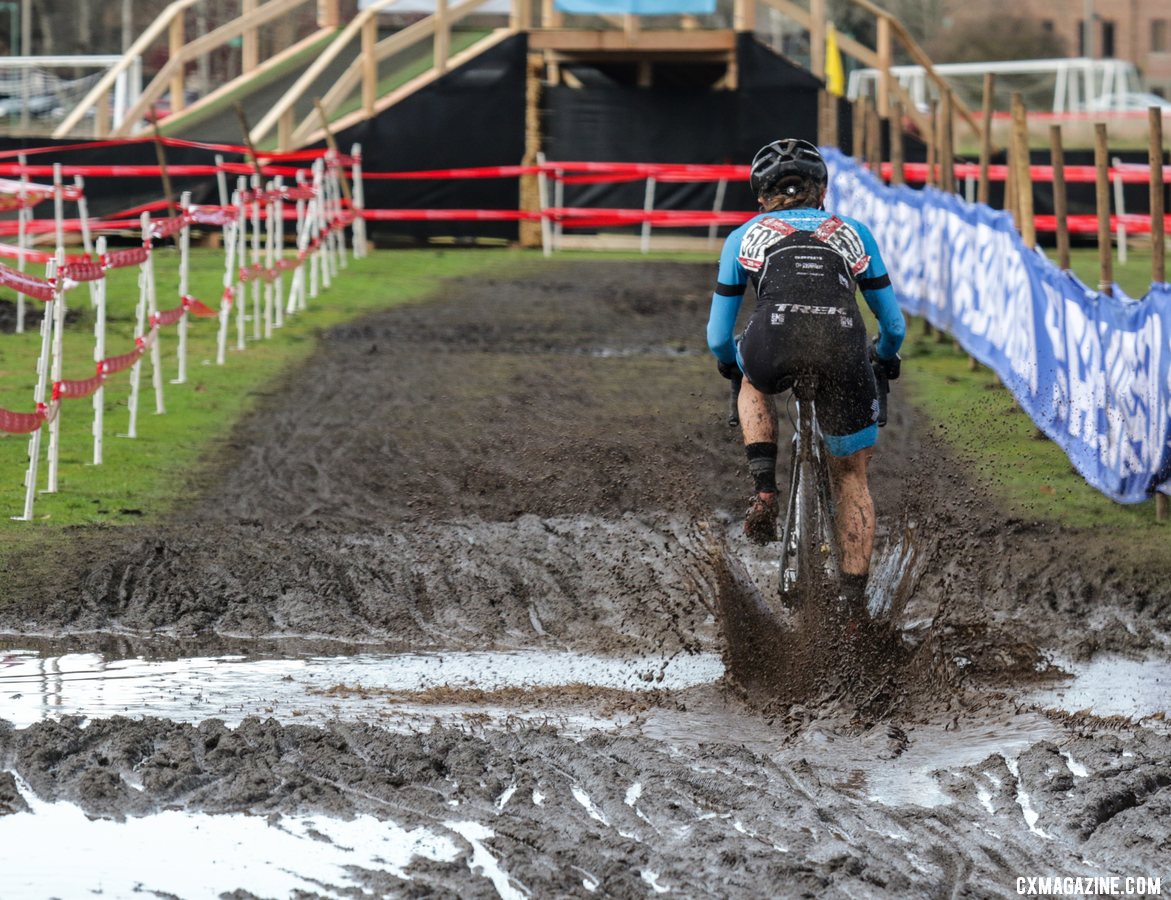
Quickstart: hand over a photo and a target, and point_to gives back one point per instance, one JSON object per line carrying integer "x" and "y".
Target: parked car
{"x": 1129, "y": 102}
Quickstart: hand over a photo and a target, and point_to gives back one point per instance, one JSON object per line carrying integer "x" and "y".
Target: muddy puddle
{"x": 372, "y": 687}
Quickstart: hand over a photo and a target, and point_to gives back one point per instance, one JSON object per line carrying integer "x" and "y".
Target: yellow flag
{"x": 835, "y": 75}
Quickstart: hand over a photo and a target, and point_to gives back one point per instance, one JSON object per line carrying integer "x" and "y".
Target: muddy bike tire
{"x": 809, "y": 562}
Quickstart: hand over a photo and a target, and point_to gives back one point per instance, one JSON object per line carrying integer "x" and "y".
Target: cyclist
{"x": 805, "y": 265}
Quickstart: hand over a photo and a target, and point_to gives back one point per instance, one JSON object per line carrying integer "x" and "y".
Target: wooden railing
{"x": 181, "y": 53}
{"x": 363, "y": 71}
{"x": 280, "y": 124}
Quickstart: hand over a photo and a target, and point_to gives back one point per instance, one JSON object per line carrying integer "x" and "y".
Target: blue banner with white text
{"x": 1093, "y": 371}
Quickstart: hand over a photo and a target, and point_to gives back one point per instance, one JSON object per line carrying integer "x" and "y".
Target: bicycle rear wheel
{"x": 809, "y": 554}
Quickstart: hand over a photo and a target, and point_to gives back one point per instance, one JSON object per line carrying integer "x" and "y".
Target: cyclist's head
{"x": 788, "y": 173}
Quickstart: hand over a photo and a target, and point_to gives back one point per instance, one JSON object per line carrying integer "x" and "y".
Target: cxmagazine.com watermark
{"x": 1104, "y": 886}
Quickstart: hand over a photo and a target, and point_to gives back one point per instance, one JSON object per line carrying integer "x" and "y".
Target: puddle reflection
{"x": 34, "y": 687}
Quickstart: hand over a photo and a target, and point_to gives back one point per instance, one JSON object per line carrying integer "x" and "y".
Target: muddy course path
{"x": 526, "y": 490}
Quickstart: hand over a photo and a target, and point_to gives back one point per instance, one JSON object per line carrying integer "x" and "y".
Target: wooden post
{"x": 946, "y": 146}
{"x": 331, "y": 143}
{"x": 369, "y": 65}
{"x": 874, "y": 141}
{"x": 161, "y": 156}
{"x": 328, "y": 14}
{"x": 898, "y": 153}
{"x": 442, "y": 35}
{"x": 744, "y": 15}
{"x": 885, "y": 55}
{"x": 829, "y": 136}
{"x": 1158, "y": 250}
{"x": 551, "y": 18}
{"x": 859, "y": 142}
{"x": 250, "y": 41}
{"x": 242, "y": 117}
{"x": 1010, "y": 181}
{"x": 530, "y": 200}
{"x": 817, "y": 38}
{"x": 982, "y": 191}
{"x": 176, "y": 42}
{"x": 522, "y": 15}
{"x": 1102, "y": 200}
{"x": 1024, "y": 181}
{"x": 1060, "y": 206}
{"x": 932, "y": 144}
{"x": 1158, "y": 210}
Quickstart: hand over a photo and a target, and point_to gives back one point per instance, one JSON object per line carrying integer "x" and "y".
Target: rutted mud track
{"x": 543, "y": 463}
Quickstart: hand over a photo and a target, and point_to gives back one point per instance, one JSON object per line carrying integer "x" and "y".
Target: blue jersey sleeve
{"x": 729, "y": 292}
{"x": 880, "y": 296}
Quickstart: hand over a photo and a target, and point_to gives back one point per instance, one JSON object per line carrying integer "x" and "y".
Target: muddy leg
{"x": 758, "y": 416}
{"x": 855, "y": 510}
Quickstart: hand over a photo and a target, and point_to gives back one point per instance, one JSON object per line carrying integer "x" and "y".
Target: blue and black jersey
{"x": 736, "y": 270}
{"x": 806, "y": 266}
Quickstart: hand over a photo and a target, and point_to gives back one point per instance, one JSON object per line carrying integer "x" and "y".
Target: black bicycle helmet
{"x": 783, "y": 158}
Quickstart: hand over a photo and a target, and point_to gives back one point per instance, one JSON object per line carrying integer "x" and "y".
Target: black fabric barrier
{"x": 611, "y": 122}
{"x": 473, "y": 116}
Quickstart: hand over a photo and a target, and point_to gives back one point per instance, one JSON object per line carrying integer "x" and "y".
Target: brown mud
{"x": 544, "y": 463}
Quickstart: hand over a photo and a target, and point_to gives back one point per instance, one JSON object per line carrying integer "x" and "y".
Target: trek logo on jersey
{"x": 783, "y": 309}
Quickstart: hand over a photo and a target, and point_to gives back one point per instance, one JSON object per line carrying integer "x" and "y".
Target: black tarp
{"x": 473, "y": 116}
{"x": 614, "y": 122}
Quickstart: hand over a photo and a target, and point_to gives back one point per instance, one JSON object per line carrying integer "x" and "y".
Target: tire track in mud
{"x": 543, "y": 463}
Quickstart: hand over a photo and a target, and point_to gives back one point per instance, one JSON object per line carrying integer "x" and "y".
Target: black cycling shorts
{"x": 772, "y": 356}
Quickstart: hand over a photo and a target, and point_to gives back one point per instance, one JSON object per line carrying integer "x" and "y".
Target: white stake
{"x": 155, "y": 337}
{"x": 34, "y": 441}
{"x": 184, "y": 281}
{"x": 99, "y": 354}
{"x": 59, "y": 207}
{"x": 221, "y": 178}
{"x": 22, "y": 218}
{"x": 139, "y": 328}
{"x": 278, "y": 252}
{"x": 56, "y": 369}
{"x": 359, "y": 192}
{"x": 241, "y": 300}
{"x": 297, "y": 285}
{"x": 543, "y": 202}
{"x": 255, "y": 258}
{"x": 268, "y": 252}
{"x": 315, "y": 217}
{"x": 648, "y": 206}
{"x": 229, "y": 288}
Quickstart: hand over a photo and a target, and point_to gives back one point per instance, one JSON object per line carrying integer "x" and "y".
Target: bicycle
{"x": 809, "y": 551}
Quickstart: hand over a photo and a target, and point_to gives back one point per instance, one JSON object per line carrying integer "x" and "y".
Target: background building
{"x": 1138, "y": 31}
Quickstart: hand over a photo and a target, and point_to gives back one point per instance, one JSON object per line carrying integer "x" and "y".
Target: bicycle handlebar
{"x": 734, "y": 401}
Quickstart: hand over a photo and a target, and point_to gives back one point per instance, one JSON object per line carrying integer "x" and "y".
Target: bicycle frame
{"x": 809, "y": 552}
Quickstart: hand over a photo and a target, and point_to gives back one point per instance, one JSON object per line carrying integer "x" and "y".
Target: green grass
{"x": 998, "y": 444}
{"x": 141, "y": 479}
